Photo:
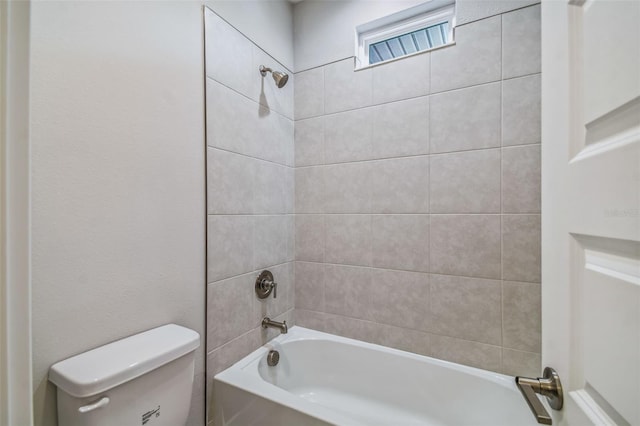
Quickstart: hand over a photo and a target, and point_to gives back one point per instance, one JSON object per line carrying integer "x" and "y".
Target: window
{"x": 418, "y": 29}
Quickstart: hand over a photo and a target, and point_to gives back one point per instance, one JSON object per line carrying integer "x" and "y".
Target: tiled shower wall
{"x": 417, "y": 198}
{"x": 250, "y": 180}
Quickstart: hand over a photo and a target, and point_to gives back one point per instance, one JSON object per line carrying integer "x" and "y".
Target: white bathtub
{"x": 327, "y": 379}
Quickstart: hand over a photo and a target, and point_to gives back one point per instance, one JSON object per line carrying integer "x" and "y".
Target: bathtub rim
{"x": 244, "y": 374}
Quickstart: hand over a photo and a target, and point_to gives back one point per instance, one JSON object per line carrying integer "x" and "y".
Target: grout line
{"x": 374, "y": 105}
{"x": 249, "y": 156}
{"x": 270, "y": 108}
{"x": 408, "y": 270}
{"x": 414, "y": 155}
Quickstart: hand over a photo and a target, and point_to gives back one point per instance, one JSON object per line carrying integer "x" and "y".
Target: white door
{"x": 591, "y": 207}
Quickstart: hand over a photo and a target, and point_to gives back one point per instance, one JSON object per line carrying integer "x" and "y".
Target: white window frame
{"x": 422, "y": 16}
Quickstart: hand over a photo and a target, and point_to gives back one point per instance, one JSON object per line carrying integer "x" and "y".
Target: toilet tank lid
{"x": 103, "y": 368}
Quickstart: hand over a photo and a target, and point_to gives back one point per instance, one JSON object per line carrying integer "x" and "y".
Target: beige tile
{"x": 348, "y": 136}
{"x": 401, "y": 128}
{"x": 347, "y": 291}
{"x": 465, "y": 119}
{"x": 309, "y": 290}
{"x": 522, "y": 323}
{"x": 518, "y": 363}
{"x": 309, "y": 93}
{"x": 400, "y": 185}
{"x": 402, "y": 79}
{"x": 466, "y": 182}
{"x": 474, "y": 354}
{"x": 309, "y": 237}
{"x": 400, "y": 242}
{"x": 230, "y": 179}
{"x": 467, "y": 245}
{"x": 348, "y": 239}
{"x": 474, "y": 59}
{"x": 345, "y": 88}
{"x": 309, "y": 142}
{"x": 264, "y": 89}
{"x": 271, "y": 188}
{"x": 352, "y": 328}
{"x": 291, "y": 237}
{"x": 228, "y": 55}
{"x": 466, "y": 308}
{"x": 230, "y": 309}
{"x": 348, "y": 187}
{"x": 473, "y": 10}
{"x": 521, "y": 179}
{"x": 402, "y": 338}
{"x": 270, "y": 242}
{"x": 521, "y": 245}
{"x": 521, "y": 51}
{"x": 272, "y": 136}
{"x": 311, "y": 319}
{"x": 309, "y": 189}
{"x": 230, "y": 246}
{"x": 400, "y": 299}
{"x": 228, "y": 114}
{"x": 521, "y": 122}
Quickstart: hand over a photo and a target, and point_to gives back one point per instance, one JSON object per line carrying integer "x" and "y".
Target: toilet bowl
{"x": 142, "y": 380}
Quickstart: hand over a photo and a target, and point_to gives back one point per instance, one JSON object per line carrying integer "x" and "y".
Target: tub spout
{"x": 268, "y": 323}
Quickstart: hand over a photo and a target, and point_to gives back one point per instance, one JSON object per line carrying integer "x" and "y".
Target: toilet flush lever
{"x": 101, "y": 403}
{"x": 265, "y": 285}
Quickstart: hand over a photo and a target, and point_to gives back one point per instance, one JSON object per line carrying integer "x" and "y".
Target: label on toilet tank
{"x": 151, "y": 414}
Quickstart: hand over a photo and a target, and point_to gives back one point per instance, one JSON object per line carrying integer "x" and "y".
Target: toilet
{"x": 142, "y": 380}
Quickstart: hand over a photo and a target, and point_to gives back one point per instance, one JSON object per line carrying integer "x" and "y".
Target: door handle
{"x": 548, "y": 385}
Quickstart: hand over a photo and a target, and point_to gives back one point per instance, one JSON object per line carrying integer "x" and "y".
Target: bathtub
{"x": 325, "y": 379}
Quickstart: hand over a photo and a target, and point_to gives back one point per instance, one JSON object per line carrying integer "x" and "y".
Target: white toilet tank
{"x": 142, "y": 380}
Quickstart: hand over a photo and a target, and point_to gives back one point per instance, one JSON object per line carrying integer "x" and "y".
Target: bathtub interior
{"x": 344, "y": 381}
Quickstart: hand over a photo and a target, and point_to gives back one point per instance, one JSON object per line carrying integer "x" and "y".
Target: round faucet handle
{"x": 265, "y": 285}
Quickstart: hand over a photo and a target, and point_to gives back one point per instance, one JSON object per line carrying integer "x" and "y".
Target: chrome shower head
{"x": 279, "y": 77}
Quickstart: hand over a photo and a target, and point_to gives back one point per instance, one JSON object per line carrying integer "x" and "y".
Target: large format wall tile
{"x": 467, "y": 245}
{"x": 521, "y": 246}
{"x": 401, "y": 128}
{"x": 270, "y": 240}
{"x": 467, "y": 308}
{"x": 479, "y": 355}
{"x": 345, "y": 88}
{"x": 521, "y": 110}
{"x": 402, "y": 79}
{"x": 230, "y": 246}
{"x": 309, "y": 290}
{"x": 230, "y": 182}
{"x": 466, "y": 182}
{"x": 309, "y": 93}
{"x": 474, "y": 59}
{"x": 521, "y": 53}
{"x": 228, "y": 55}
{"x": 521, "y": 179}
{"x": 400, "y": 185}
{"x": 521, "y": 310}
{"x": 348, "y": 239}
{"x": 418, "y": 195}
{"x": 309, "y": 235}
{"x": 309, "y": 189}
{"x": 348, "y": 188}
{"x": 393, "y": 289}
{"x": 309, "y": 142}
{"x": 347, "y": 136}
{"x": 465, "y": 119}
{"x": 400, "y": 242}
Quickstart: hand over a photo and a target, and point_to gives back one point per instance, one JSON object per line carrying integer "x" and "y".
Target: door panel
{"x": 591, "y": 206}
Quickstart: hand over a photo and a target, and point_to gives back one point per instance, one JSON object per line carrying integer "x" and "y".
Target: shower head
{"x": 279, "y": 77}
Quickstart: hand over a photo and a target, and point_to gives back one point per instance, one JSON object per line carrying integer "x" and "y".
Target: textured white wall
{"x": 118, "y": 178}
